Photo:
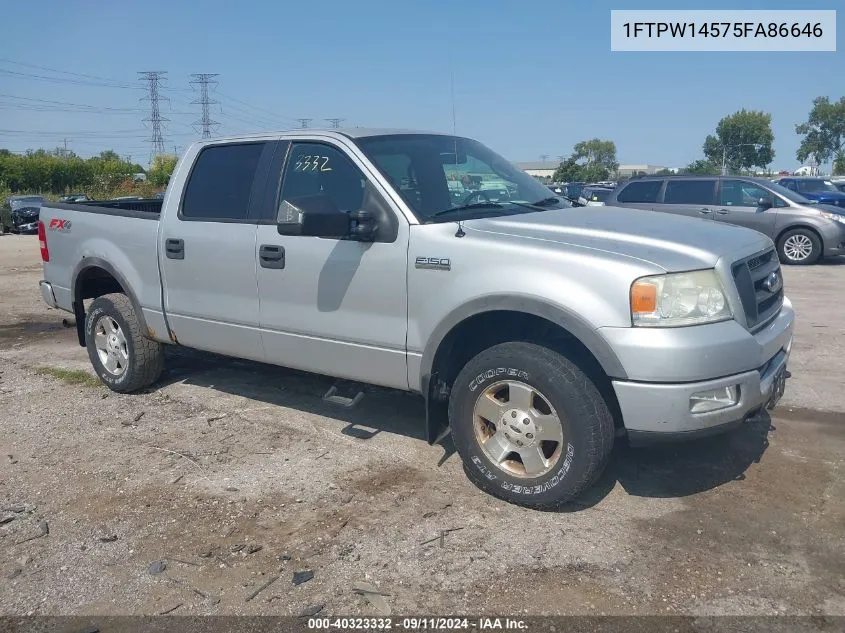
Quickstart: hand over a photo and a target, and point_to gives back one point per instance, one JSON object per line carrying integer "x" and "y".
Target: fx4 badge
{"x": 57, "y": 224}
{"x": 433, "y": 263}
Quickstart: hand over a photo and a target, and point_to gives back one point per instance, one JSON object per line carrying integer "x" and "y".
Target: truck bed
{"x": 145, "y": 209}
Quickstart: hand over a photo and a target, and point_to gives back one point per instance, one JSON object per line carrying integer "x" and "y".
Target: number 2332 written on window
{"x": 312, "y": 163}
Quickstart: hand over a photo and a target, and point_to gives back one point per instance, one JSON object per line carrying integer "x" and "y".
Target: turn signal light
{"x": 643, "y": 297}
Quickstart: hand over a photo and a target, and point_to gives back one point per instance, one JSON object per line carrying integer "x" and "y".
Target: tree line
{"x": 59, "y": 172}
{"x": 742, "y": 141}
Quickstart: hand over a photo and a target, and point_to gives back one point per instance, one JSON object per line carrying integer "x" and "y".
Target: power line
{"x": 154, "y": 80}
{"x": 204, "y": 80}
{"x": 65, "y": 72}
{"x": 304, "y": 123}
{"x": 335, "y": 122}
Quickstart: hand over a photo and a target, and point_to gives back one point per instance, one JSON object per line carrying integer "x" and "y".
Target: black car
{"x": 75, "y": 197}
{"x": 20, "y": 214}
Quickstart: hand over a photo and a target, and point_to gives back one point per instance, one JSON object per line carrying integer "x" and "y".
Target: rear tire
{"x": 124, "y": 359}
{"x": 529, "y": 425}
{"x": 799, "y": 247}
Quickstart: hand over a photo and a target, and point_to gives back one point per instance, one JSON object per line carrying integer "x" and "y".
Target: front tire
{"x": 124, "y": 359}
{"x": 799, "y": 247}
{"x": 529, "y": 425}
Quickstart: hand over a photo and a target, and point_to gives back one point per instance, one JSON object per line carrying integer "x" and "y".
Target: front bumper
{"x": 652, "y": 410}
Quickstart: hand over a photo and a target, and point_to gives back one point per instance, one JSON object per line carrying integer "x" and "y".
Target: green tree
{"x": 590, "y": 161}
{"x": 839, "y": 165}
{"x": 703, "y": 167}
{"x": 568, "y": 171}
{"x": 743, "y": 140}
{"x": 161, "y": 169}
{"x": 823, "y": 132}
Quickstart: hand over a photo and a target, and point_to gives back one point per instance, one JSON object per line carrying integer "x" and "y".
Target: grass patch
{"x": 70, "y": 376}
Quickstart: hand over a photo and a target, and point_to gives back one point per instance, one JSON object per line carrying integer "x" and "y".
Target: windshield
{"x": 815, "y": 185}
{"x": 596, "y": 195}
{"x": 454, "y": 177}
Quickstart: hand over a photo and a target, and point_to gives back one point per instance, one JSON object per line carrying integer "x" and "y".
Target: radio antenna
{"x": 460, "y": 232}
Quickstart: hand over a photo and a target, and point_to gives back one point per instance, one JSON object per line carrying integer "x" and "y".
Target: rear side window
{"x": 641, "y": 191}
{"x": 221, "y": 182}
{"x": 689, "y": 192}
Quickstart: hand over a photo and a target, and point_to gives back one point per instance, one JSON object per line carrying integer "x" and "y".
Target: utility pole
{"x": 335, "y": 122}
{"x": 304, "y": 123}
{"x": 204, "y": 80}
{"x": 154, "y": 79}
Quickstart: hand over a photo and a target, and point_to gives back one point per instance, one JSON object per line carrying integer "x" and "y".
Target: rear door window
{"x": 641, "y": 191}
{"x": 690, "y": 192}
{"x": 221, "y": 182}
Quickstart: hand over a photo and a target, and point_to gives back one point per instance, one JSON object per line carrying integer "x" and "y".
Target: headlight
{"x": 678, "y": 299}
{"x": 836, "y": 217}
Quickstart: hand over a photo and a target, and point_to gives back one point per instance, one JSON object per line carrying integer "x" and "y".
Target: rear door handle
{"x": 705, "y": 211}
{"x": 174, "y": 249}
{"x": 723, "y": 212}
{"x": 271, "y": 256}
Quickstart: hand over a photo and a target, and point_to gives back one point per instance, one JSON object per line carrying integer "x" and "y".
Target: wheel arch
{"x": 94, "y": 277}
{"x": 469, "y": 329}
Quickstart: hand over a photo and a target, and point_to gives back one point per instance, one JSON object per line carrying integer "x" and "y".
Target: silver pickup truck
{"x": 536, "y": 332}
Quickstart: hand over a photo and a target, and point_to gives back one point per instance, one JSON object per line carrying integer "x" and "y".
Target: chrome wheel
{"x": 798, "y": 247}
{"x": 518, "y": 429}
{"x": 111, "y": 345}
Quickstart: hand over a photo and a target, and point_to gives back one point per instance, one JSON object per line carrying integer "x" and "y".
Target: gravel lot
{"x": 229, "y": 474}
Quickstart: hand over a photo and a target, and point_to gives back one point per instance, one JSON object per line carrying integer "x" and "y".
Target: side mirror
{"x": 765, "y": 203}
{"x": 316, "y": 216}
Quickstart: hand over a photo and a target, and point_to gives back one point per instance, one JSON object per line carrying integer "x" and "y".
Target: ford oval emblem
{"x": 772, "y": 282}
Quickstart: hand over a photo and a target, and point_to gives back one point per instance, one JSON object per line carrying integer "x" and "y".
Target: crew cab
{"x": 535, "y": 332}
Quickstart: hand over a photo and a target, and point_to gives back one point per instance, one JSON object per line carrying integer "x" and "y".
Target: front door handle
{"x": 705, "y": 211}
{"x": 722, "y": 211}
{"x": 174, "y": 249}
{"x": 271, "y": 256}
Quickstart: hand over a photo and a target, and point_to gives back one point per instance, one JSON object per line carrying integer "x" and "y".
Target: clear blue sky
{"x": 530, "y": 78}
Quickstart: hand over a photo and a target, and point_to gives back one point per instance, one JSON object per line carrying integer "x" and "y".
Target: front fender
{"x": 564, "y": 317}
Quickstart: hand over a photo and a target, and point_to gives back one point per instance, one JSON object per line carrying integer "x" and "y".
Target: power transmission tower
{"x": 154, "y": 79}
{"x": 335, "y": 122}
{"x": 544, "y": 157}
{"x": 304, "y": 123}
{"x": 204, "y": 80}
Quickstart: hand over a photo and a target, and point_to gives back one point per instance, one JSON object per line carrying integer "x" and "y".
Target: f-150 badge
{"x": 433, "y": 263}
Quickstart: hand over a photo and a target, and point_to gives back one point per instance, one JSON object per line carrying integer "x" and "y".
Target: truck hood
{"x": 831, "y": 197}
{"x": 673, "y": 243}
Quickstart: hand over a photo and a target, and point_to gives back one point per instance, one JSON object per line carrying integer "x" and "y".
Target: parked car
{"x": 19, "y": 214}
{"x": 802, "y": 230}
{"x": 839, "y": 183}
{"x": 75, "y": 197}
{"x": 820, "y": 190}
{"x": 535, "y": 332}
{"x": 594, "y": 196}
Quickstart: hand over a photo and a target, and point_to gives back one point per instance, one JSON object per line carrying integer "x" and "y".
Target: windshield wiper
{"x": 467, "y": 207}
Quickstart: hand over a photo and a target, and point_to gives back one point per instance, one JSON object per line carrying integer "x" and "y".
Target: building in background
{"x": 644, "y": 169}
{"x": 539, "y": 169}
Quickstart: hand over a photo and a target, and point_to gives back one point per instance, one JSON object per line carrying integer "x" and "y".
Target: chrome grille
{"x": 761, "y": 300}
